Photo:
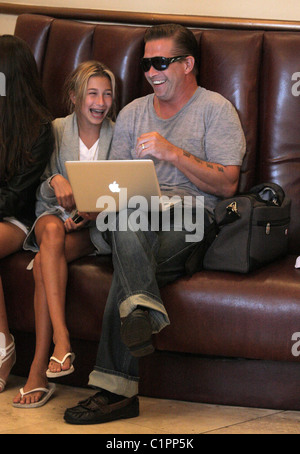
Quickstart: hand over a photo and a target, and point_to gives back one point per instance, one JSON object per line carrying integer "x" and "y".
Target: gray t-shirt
{"x": 207, "y": 126}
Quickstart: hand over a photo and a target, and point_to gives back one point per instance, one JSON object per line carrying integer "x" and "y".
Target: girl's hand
{"x": 89, "y": 216}
{"x": 71, "y": 226}
{"x": 63, "y": 192}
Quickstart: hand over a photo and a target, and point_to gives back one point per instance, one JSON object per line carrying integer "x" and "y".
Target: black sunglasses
{"x": 159, "y": 63}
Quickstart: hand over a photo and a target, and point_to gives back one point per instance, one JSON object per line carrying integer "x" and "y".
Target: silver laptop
{"x": 111, "y": 185}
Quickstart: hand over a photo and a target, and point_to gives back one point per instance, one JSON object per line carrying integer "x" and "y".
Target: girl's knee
{"x": 53, "y": 235}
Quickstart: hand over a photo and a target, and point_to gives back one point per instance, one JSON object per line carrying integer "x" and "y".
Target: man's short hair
{"x": 184, "y": 39}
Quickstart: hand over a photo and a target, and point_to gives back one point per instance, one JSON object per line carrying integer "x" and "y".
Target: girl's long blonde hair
{"x": 77, "y": 82}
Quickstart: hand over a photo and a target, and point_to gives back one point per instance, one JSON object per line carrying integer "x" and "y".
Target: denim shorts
{"x": 19, "y": 224}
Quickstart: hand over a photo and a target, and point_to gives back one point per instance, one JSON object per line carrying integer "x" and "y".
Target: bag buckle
{"x": 233, "y": 209}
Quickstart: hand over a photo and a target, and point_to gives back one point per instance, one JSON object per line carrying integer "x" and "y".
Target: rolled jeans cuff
{"x": 115, "y": 383}
{"x": 157, "y": 312}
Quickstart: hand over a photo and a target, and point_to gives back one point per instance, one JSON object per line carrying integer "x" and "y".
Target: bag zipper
{"x": 269, "y": 224}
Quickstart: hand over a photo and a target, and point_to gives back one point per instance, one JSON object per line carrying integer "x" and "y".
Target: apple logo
{"x": 114, "y": 187}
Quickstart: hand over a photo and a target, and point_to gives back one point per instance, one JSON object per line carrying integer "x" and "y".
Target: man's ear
{"x": 189, "y": 62}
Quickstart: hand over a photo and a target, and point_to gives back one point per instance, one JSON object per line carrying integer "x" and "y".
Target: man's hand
{"x": 152, "y": 143}
{"x": 209, "y": 177}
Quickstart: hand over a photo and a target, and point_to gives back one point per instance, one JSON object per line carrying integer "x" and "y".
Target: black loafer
{"x": 136, "y": 333}
{"x": 98, "y": 409}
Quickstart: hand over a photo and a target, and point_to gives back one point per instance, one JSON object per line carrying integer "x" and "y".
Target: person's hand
{"x": 89, "y": 216}
{"x": 63, "y": 192}
{"x": 153, "y": 144}
{"x": 71, "y": 226}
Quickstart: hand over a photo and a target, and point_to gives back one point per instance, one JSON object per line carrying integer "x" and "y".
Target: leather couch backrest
{"x": 229, "y": 64}
{"x": 253, "y": 69}
{"x": 120, "y": 47}
{"x": 35, "y": 30}
{"x": 279, "y": 127}
{"x": 60, "y": 45}
{"x": 69, "y": 43}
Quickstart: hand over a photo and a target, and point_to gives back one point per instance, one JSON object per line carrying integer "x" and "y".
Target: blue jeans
{"x": 143, "y": 262}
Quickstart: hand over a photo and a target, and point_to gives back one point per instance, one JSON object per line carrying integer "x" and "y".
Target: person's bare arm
{"x": 209, "y": 177}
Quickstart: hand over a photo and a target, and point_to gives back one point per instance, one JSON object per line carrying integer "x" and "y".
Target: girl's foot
{"x": 34, "y": 381}
{"x": 7, "y": 358}
{"x": 61, "y": 363}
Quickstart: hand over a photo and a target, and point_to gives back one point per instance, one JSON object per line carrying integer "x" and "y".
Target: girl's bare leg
{"x": 50, "y": 234}
{"x": 77, "y": 244}
{"x": 11, "y": 240}
{"x": 43, "y": 328}
{"x": 55, "y": 255}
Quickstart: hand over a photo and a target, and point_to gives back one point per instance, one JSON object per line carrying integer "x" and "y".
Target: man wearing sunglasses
{"x": 196, "y": 141}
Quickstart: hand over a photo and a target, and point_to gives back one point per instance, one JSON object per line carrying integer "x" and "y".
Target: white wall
{"x": 249, "y": 9}
{"x": 266, "y": 9}
{"x": 7, "y": 24}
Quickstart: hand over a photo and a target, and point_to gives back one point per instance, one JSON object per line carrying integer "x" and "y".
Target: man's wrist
{"x": 177, "y": 153}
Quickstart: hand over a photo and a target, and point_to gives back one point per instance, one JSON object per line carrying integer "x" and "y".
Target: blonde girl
{"x": 85, "y": 134}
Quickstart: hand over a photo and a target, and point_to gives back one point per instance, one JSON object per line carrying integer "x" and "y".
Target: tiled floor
{"x": 157, "y": 416}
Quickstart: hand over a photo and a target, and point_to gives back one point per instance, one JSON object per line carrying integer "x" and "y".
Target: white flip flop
{"x": 5, "y": 354}
{"x": 48, "y": 393}
{"x": 62, "y": 373}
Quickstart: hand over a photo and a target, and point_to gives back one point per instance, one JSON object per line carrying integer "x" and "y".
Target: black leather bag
{"x": 251, "y": 230}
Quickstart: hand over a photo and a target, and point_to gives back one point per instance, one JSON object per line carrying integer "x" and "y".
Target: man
{"x": 195, "y": 138}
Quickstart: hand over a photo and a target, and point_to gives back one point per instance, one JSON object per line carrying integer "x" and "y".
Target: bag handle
{"x": 270, "y": 193}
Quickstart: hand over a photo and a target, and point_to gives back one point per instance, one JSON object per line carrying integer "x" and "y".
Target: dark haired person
{"x": 25, "y": 147}
{"x": 195, "y": 139}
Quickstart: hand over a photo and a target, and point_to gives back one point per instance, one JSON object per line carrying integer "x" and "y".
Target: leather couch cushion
{"x": 232, "y": 315}
{"x": 211, "y": 313}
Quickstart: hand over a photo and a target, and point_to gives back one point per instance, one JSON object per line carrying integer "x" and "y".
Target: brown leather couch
{"x": 230, "y": 338}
